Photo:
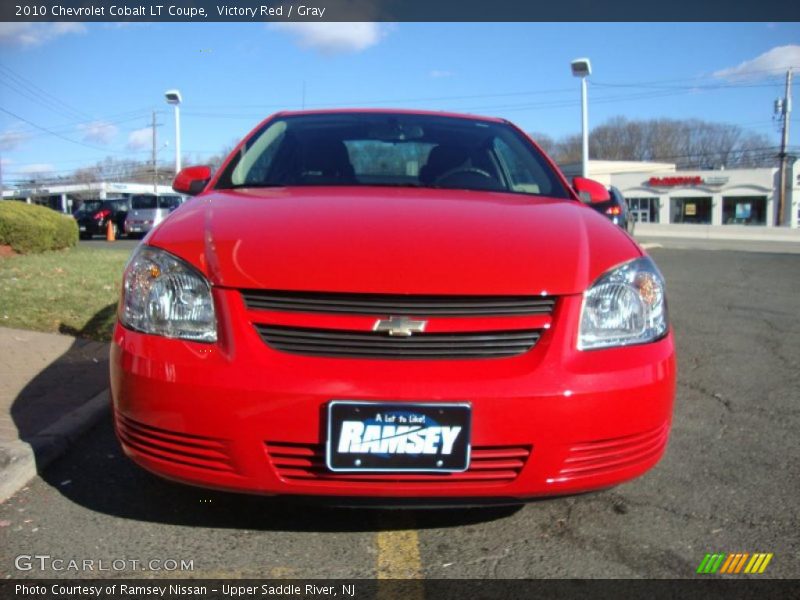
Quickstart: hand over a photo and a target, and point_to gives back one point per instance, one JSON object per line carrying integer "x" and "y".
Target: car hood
{"x": 393, "y": 240}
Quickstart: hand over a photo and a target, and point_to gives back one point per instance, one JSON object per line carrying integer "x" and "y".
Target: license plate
{"x": 134, "y": 228}
{"x": 398, "y": 437}
{"x": 81, "y": 228}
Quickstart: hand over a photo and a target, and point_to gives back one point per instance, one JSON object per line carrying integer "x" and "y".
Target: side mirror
{"x": 192, "y": 180}
{"x": 590, "y": 191}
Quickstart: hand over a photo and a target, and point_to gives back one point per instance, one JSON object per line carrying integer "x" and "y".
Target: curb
{"x": 21, "y": 461}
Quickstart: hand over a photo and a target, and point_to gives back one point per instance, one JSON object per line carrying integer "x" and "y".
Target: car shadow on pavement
{"x": 45, "y": 410}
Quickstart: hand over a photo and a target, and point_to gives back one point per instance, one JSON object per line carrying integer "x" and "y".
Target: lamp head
{"x": 581, "y": 67}
{"x": 173, "y": 97}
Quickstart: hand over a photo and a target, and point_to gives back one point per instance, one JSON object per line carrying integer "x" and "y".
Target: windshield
{"x": 151, "y": 202}
{"x": 89, "y": 206}
{"x": 379, "y": 149}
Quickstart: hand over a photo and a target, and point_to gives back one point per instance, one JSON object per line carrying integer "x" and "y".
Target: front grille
{"x": 388, "y": 304}
{"x": 305, "y": 463}
{"x": 374, "y": 344}
{"x": 189, "y": 450}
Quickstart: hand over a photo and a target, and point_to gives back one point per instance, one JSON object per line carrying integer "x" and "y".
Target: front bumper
{"x": 238, "y": 415}
{"x": 141, "y": 227}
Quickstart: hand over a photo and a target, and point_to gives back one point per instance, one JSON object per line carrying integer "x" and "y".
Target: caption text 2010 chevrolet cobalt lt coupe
{"x": 390, "y": 305}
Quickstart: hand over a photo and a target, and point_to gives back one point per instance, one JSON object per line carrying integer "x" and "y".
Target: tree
{"x": 690, "y": 144}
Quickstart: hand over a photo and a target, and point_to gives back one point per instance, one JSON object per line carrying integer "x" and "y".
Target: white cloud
{"x": 772, "y": 62}
{"x": 12, "y": 139}
{"x": 35, "y": 169}
{"x": 140, "y": 139}
{"x": 98, "y": 132}
{"x": 34, "y": 34}
{"x": 439, "y": 74}
{"x": 333, "y": 38}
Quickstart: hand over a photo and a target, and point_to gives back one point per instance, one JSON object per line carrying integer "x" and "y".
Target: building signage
{"x": 675, "y": 181}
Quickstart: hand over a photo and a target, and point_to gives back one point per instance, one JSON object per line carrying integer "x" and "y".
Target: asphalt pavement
{"x": 728, "y": 482}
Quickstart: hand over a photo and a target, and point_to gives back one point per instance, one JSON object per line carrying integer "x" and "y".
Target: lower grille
{"x": 189, "y": 450}
{"x": 374, "y": 344}
{"x": 589, "y": 459}
{"x": 305, "y": 463}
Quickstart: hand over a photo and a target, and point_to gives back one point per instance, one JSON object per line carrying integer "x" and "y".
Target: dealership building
{"x": 658, "y": 193}
{"x": 64, "y": 197}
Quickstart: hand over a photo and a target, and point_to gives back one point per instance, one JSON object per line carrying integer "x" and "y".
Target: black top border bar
{"x": 399, "y": 10}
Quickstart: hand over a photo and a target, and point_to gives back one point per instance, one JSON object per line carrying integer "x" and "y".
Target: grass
{"x": 72, "y": 291}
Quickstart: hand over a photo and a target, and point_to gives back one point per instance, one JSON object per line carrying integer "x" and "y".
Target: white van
{"x": 148, "y": 210}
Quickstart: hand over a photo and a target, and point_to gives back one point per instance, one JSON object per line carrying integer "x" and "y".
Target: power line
{"x": 53, "y": 133}
{"x": 35, "y": 89}
{"x": 65, "y": 130}
{"x": 29, "y": 96}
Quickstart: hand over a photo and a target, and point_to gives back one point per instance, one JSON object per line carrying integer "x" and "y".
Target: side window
{"x": 255, "y": 163}
{"x": 521, "y": 178}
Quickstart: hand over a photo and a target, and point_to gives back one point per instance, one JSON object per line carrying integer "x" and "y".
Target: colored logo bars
{"x": 734, "y": 563}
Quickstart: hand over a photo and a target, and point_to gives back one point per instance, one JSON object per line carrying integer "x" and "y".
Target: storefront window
{"x": 691, "y": 210}
{"x": 744, "y": 210}
{"x": 644, "y": 210}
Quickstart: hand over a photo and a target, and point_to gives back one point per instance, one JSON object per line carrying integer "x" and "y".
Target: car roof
{"x": 388, "y": 111}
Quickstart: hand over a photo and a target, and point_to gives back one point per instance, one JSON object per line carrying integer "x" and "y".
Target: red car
{"x": 392, "y": 306}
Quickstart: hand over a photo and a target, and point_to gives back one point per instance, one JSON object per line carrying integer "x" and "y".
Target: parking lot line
{"x": 398, "y": 550}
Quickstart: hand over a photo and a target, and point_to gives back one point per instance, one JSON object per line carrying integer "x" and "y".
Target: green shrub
{"x": 30, "y": 228}
{"x": 66, "y": 235}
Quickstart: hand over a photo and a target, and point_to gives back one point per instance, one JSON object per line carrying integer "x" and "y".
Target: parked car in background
{"x": 616, "y": 210}
{"x": 93, "y": 217}
{"x": 401, "y": 306}
{"x": 148, "y": 210}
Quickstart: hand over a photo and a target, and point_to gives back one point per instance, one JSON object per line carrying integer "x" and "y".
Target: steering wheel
{"x": 457, "y": 170}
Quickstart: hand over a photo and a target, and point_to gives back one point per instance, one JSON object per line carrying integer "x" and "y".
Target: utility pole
{"x": 786, "y": 113}
{"x": 155, "y": 167}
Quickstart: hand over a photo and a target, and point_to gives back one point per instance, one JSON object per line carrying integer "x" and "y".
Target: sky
{"x": 72, "y": 94}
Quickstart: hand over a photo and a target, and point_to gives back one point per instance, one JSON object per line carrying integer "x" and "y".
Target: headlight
{"x": 166, "y": 296}
{"x": 626, "y": 305}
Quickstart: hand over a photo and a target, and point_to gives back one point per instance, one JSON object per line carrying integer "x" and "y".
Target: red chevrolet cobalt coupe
{"x": 396, "y": 307}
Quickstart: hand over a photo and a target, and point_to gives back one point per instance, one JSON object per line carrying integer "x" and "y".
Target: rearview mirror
{"x": 192, "y": 180}
{"x": 590, "y": 191}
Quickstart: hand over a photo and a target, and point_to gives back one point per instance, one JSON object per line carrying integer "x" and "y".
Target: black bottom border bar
{"x": 704, "y": 586}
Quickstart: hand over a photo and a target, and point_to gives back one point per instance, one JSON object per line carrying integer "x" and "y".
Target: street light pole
{"x": 584, "y": 129}
{"x": 174, "y": 97}
{"x": 582, "y": 67}
{"x": 177, "y": 138}
{"x": 786, "y": 110}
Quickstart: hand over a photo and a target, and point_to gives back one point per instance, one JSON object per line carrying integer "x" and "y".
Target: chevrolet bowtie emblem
{"x": 399, "y": 326}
